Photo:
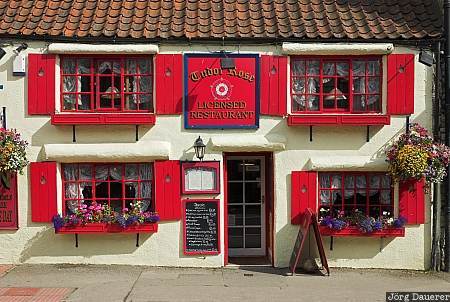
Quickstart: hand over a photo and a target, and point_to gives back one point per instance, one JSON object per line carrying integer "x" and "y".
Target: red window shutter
{"x": 168, "y": 189}
{"x": 273, "y": 85}
{"x": 43, "y": 191}
{"x": 303, "y": 194}
{"x": 41, "y": 84}
{"x": 169, "y": 83}
{"x": 400, "y": 84}
{"x": 412, "y": 201}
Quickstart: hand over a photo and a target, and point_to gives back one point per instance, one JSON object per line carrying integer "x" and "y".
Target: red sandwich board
{"x": 309, "y": 217}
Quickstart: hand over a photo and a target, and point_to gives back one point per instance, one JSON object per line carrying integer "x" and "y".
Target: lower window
{"x": 116, "y": 185}
{"x": 341, "y": 194}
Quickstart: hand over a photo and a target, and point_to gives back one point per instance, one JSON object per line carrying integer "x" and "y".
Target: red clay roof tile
{"x": 161, "y": 19}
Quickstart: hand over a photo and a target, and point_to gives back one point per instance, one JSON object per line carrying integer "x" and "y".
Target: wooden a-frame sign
{"x": 308, "y": 218}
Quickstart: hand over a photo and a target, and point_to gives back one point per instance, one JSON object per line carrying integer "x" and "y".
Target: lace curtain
{"x": 342, "y": 69}
{"x": 353, "y": 185}
{"x": 73, "y": 190}
{"x": 74, "y": 83}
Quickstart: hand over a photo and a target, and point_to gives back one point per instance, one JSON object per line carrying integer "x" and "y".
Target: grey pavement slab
{"x": 153, "y": 284}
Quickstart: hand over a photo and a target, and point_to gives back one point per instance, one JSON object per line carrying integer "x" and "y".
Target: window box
{"x": 354, "y": 231}
{"x": 88, "y": 228}
{"x": 334, "y": 119}
{"x": 96, "y": 228}
{"x": 139, "y": 228}
{"x": 103, "y": 119}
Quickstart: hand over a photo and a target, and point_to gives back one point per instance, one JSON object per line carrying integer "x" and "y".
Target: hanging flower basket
{"x": 415, "y": 155}
{"x": 13, "y": 157}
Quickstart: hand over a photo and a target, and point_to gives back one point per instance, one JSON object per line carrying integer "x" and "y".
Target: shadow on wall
{"x": 50, "y": 134}
{"x": 6, "y": 66}
{"x": 49, "y": 244}
{"x": 421, "y": 119}
{"x": 323, "y": 137}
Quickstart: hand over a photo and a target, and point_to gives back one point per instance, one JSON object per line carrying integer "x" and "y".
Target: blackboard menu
{"x": 201, "y": 226}
{"x": 297, "y": 250}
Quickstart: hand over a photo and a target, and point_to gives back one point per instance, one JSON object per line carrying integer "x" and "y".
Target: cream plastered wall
{"x": 37, "y": 243}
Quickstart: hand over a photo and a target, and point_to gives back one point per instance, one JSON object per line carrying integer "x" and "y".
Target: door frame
{"x": 269, "y": 201}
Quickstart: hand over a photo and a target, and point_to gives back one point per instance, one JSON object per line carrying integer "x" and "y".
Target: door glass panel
{"x": 252, "y": 237}
{"x": 246, "y": 230}
{"x": 252, "y": 170}
{"x": 235, "y": 238}
{"x": 253, "y": 215}
{"x": 234, "y": 170}
{"x": 235, "y": 215}
{"x": 252, "y": 192}
{"x": 235, "y": 192}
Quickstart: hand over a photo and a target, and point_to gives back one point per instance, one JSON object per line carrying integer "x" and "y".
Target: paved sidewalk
{"x": 4, "y": 268}
{"x": 136, "y": 283}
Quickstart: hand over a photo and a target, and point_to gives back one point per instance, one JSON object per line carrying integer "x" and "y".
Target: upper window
{"x": 336, "y": 85}
{"x": 369, "y": 193}
{"x": 116, "y": 185}
{"x": 110, "y": 84}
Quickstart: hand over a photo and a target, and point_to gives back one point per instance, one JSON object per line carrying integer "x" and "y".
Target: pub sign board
{"x": 8, "y": 205}
{"x": 216, "y": 97}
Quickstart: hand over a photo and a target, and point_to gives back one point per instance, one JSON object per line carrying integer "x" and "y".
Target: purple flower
{"x": 121, "y": 221}
{"x": 327, "y": 221}
{"x": 152, "y": 218}
{"x": 399, "y": 222}
{"x": 377, "y": 225}
{"x": 333, "y": 223}
{"x": 338, "y": 224}
{"x": 58, "y": 222}
{"x": 132, "y": 219}
{"x": 365, "y": 225}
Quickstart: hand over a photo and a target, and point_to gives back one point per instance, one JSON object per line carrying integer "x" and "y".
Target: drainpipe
{"x": 447, "y": 127}
{"x": 436, "y": 256}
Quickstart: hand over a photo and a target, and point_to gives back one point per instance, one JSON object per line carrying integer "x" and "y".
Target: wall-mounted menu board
{"x": 200, "y": 177}
{"x": 201, "y": 226}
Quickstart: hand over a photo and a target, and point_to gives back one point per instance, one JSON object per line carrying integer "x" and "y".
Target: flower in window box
{"x": 104, "y": 214}
{"x": 58, "y": 222}
{"x": 357, "y": 219}
{"x": 399, "y": 222}
{"x": 333, "y": 223}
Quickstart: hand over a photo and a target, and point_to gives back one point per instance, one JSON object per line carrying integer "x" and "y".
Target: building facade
{"x": 296, "y": 103}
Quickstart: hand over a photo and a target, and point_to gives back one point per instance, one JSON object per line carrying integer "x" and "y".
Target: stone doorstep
{"x": 33, "y": 294}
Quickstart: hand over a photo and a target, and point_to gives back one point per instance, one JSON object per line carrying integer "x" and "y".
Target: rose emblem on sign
{"x": 221, "y": 89}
